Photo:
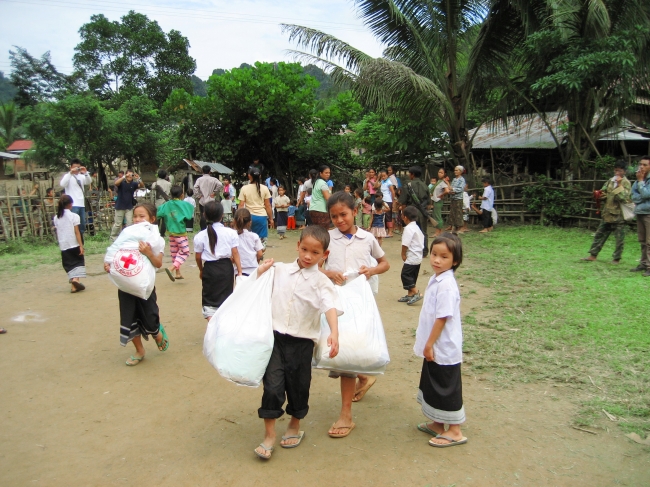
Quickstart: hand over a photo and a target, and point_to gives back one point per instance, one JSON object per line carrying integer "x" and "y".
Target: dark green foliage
{"x": 553, "y": 203}
{"x": 119, "y": 60}
{"x": 7, "y": 90}
{"x": 199, "y": 86}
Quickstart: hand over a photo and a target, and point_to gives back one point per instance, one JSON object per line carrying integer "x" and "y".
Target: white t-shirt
{"x": 65, "y": 229}
{"x": 190, "y": 200}
{"x": 437, "y": 193}
{"x": 385, "y": 190}
{"x": 249, "y": 245}
{"x": 227, "y": 239}
{"x": 227, "y": 206}
{"x": 413, "y": 238}
{"x": 441, "y": 300}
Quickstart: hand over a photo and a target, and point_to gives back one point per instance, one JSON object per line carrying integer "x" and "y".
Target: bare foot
{"x": 591, "y": 258}
{"x": 485, "y": 230}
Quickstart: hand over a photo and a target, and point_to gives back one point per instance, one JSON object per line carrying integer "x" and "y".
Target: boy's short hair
{"x": 317, "y": 233}
{"x": 226, "y": 196}
{"x": 162, "y": 174}
{"x": 486, "y": 179}
{"x": 176, "y": 191}
{"x": 620, "y": 164}
{"x": 189, "y": 192}
{"x": 416, "y": 171}
{"x": 454, "y": 244}
{"x": 411, "y": 213}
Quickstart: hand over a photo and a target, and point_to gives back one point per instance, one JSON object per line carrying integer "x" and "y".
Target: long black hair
{"x": 256, "y": 175}
{"x": 313, "y": 175}
{"x": 64, "y": 201}
{"x": 213, "y": 213}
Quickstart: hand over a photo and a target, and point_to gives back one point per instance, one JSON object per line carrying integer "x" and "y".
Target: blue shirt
{"x": 457, "y": 188}
{"x": 330, "y": 183}
{"x": 291, "y": 211}
{"x": 125, "y": 193}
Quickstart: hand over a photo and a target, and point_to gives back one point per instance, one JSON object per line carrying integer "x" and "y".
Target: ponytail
{"x": 213, "y": 213}
{"x": 254, "y": 173}
{"x": 64, "y": 202}
{"x": 313, "y": 175}
{"x": 242, "y": 219}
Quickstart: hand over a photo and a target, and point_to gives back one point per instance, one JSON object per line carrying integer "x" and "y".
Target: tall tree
{"x": 36, "y": 80}
{"x": 590, "y": 59}
{"x": 439, "y": 54}
{"x": 10, "y": 129}
{"x": 7, "y": 90}
{"x": 132, "y": 56}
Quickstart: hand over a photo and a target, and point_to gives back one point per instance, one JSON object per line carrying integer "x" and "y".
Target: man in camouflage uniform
{"x": 617, "y": 190}
{"x": 421, "y": 192}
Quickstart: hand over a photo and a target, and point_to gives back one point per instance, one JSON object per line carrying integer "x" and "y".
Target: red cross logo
{"x": 128, "y": 260}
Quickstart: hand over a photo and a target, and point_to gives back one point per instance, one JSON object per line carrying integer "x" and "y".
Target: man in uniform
{"x": 615, "y": 191}
{"x": 416, "y": 193}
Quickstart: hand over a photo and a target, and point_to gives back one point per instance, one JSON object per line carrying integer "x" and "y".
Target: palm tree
{"x": 438, "y": 55}
{"x": 9, "y": 128}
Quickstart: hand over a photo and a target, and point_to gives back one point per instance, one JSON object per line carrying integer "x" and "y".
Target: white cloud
{"x": 222, "y": 34}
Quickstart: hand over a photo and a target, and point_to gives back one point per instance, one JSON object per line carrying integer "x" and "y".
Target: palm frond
{"x": 597, "y": 21}
{"x": 326, "y": 46}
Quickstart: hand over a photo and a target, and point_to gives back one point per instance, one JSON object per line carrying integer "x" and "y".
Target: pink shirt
{"x": 371, "y": 186}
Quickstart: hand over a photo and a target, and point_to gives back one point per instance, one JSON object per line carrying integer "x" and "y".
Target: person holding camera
{"x": 641, "y": 196}
{"x": 125, "y": 188}
{"x": 73, "y": 182}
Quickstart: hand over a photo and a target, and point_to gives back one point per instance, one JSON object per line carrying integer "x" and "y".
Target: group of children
{"x": 223, "y": 253}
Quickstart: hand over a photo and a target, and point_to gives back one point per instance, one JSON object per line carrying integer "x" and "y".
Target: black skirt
{"x": 282, "y": 219}
{"x": 441, "y": 393}
{"x": 73, "y": 263}
{"x": 218, "y": 282}
{"x": 138, "y": 317}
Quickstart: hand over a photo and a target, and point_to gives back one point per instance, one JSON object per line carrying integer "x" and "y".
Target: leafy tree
{"x": 248, "y": 112}
{"x": 131, "y": 57}
{"x": 439, "y": 55}
{"x": 36, "y": 80}
{"x": 10, "y": 129}
{"x": 7, "y": 90}
{"x": 591, "y": 60}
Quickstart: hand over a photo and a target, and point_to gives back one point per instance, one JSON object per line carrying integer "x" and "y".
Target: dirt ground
{"x": 74, "y": 414}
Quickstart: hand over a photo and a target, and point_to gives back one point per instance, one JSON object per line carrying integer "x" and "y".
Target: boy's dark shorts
{"x": 288, "y": 376}
{"x": 410, "y": 275}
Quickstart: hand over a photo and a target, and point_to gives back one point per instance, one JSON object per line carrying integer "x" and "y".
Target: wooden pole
{"x": 11, "y": 217}
{"x": 492, "y": 157}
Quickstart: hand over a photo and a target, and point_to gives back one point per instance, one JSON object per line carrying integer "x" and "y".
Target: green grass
{"x": 552, "y": 317}
{"x": 30, "y": 252}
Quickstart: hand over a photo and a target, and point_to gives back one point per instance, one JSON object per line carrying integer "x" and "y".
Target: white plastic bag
{"x": 628, "y": 211}
{"x": 362, "y": 342}
{"x": 131, "y": 271}
{"x": 239, "y": 339}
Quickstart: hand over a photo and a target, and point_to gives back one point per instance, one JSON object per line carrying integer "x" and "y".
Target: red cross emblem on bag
{"x": 128, "y": 262}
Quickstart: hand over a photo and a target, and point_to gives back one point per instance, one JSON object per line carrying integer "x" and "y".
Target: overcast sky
{"x": 222, "y": 34}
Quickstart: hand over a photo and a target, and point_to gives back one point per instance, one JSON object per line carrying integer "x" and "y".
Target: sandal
{"x": 170, "y": 275}
{"x": 358, "y": 395}
{"x": 78, "y": 286}
{"x": 164, "y": 343}
{"x": 341, "y": 435}
{"x": 134, "y": 360}
{"x": 451, "y": 441}
{"x": 3, "y": 331}
{"x": 425, "y": 429}
{"x": 299, "y": 437}
{"x": 266, "y": 449}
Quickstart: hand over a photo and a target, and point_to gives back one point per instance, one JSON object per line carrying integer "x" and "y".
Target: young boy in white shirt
{"x": 301, "y": 293}
{"x": 412, "y": 249}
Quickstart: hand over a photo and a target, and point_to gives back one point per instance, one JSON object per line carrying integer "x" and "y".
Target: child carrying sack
{"x": 131, "y": 271}
{"x": 362, "y": 342}
{"x": 239, "y": 339}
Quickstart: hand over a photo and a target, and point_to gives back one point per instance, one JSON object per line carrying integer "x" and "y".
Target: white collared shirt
{"x": 413, "y": 239}
{"x": 441, "y": 300}
{"x": 249, "y": 244}
{"x": 299, "y": 298}
{"x": 488, "y": 203}
{"x": 227, "y": 239}
{"x": 349, "y": 254}
{"x": 65, "y": 233}
{"x": 76, "y": 189}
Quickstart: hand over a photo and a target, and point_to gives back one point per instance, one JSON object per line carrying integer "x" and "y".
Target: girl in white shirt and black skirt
{"x": 70, "y": 243}
{"x": 215, "y": 249}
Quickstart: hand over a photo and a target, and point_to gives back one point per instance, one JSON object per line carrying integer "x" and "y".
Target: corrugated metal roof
{"x": 6, "y": 155}
{"x": 530, "y": 132}
{"x": 215, "y": 166}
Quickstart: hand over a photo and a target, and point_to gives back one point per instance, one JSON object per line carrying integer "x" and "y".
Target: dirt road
{"x": 74, "y": 414}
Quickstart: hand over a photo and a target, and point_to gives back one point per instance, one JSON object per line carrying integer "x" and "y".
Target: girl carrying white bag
{"x": 362, "y": 342}
{"x": 239, "y": 339}
{"x": 131, "y": 271}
